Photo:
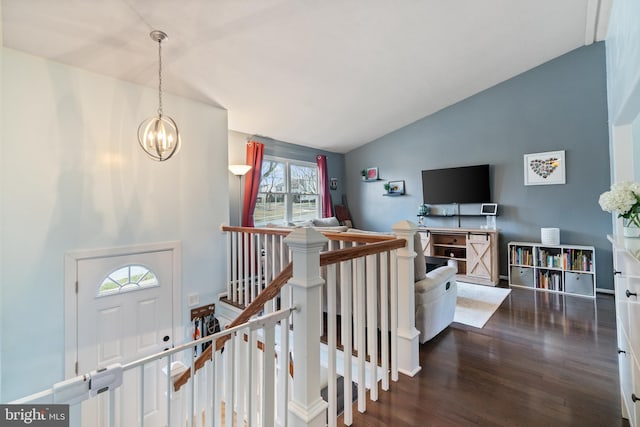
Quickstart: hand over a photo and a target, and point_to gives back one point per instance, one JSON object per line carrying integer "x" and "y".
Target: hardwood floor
{"x": 541, "y": 360}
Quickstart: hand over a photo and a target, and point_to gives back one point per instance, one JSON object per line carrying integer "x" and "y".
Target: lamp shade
{"x": 239, "y": 170}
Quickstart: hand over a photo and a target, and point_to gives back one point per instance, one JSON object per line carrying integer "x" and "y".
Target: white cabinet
{"x": 555, "y": 268}
{"x": 626, "y": 264}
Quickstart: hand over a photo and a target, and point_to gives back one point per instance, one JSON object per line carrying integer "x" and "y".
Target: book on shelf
{"x": 578, "y": 260}
{"x": 549, "y": 259}
{"x": 549, "y": 280}
{"x": 521, "y": 255}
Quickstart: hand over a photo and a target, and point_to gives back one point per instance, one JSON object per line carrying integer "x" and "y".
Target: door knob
{"x": 629, "y": 293}
{"x": 634, "y": 397}
{"x": 166, "y": 338}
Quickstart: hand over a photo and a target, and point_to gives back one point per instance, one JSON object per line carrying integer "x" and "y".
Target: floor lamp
{"x": 239, "y": 171}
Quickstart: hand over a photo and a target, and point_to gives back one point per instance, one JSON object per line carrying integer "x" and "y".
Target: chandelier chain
{"x": 160, "y": 77}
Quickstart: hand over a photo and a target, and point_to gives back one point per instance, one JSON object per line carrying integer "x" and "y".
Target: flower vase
{"x": 631, "y": 226}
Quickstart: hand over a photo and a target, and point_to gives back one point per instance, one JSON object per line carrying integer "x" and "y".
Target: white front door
{"x": 125, "y": 312}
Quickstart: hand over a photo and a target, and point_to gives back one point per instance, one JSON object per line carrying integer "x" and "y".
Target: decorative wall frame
{"x": 371, "y": 174}
{"x": 396, "y": 188}
{"x": 544, "y": 168}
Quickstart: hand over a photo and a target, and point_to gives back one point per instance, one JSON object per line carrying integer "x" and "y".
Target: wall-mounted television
{"x": 465, "y": 184}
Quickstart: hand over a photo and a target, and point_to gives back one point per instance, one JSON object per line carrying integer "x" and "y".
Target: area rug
{"x": 477, "y": 303}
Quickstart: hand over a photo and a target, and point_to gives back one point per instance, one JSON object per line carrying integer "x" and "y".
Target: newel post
{"x": 306, "y": 407}
{"x": 408, "y": 335}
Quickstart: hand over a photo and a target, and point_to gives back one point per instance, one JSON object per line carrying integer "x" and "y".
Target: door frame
{"x": 71, "y": 260}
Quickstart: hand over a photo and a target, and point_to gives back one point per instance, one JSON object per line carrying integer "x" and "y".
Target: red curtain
{"x": 325, "y": 194}
{"x": 255, "y": 154}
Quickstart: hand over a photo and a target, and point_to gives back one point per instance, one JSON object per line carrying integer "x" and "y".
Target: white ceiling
{"x": 327, "y": 74}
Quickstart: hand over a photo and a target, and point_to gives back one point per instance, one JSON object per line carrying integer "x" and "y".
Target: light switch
{"x": 193, "y": 299}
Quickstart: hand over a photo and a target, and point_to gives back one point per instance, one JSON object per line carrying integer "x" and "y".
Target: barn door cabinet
{"x": 473, "y": 251}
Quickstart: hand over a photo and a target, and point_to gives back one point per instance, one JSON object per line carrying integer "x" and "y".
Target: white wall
{"x": 623, "y": 62}
{"x": 623, "y": 92}
{"x": 73, "y": 177}
{"x": 237, "y": 156}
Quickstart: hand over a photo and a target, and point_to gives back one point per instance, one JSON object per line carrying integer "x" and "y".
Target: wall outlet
{"x": 193, "y": 299}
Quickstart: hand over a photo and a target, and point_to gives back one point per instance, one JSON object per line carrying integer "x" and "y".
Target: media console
{"x": 474, "y": 250}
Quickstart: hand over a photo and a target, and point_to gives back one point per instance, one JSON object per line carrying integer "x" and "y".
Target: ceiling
{"x": 331, "y": 74}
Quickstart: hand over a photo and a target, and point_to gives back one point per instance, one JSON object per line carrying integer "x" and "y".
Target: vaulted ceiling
{"x": 327, "y": 74}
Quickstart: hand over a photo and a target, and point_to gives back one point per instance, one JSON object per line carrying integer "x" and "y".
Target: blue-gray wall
{"x": 560, "y": 105}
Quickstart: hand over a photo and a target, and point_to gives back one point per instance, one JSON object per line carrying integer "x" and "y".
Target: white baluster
{"x": 331, "y": 343}
{"x": 283, "y": 374}
{"x": 372, "y": 324}
{"x": 252, "y": 281}
{"x": 229, "y": 380}
{"x": 384, "y": 317}
{"x": 346, "y": 337}
{"x": 393, "y": 286}
{"x": 229, "y": 264}
{"x": 234, "y": 268}
{"x": 268, "y": 376}
{"x": 360, "y": 329}
{"x": 246, "y": 272}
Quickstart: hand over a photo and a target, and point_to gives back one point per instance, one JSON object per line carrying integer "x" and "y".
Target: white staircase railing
{"x": 215, "y": 396}
{"x": 269, "y": 370}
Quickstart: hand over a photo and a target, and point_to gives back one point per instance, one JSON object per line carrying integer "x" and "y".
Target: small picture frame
{"x": 396, "y": 187}
{"x": 544, "y": 168}
{"x": 333, "y": 184}
{"x": 489, "y": 209}
{"x": 371, "y": 174}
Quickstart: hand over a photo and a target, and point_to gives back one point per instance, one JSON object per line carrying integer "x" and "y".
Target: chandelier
{"x": 158, "y": 136}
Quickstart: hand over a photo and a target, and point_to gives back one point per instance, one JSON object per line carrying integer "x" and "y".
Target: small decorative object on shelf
{"x": 630, "y": 227}
{"x": 423, "y": 210}
{"x": 624, "y": 198}
{"x": 369, "y": 174}
{"x": 394, "y": 188}
{"x": 550, "y": 236}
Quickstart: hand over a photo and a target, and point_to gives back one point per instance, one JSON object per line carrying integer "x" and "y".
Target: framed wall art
{"x": 544, "y": 168}
{"x": 370, "y": 174}
{"x": 333, "y": 184}
{"x": 396, "y": 188}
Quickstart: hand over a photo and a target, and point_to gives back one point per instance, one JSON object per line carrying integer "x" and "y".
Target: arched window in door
{"x": 128, "y": 278}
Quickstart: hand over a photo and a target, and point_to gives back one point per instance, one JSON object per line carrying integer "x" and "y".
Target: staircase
{"x": 268, "y": 366}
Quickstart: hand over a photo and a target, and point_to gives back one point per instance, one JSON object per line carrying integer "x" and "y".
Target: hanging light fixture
{"x": 158, "y": 136}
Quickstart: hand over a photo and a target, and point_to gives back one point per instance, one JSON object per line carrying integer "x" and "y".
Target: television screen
{"x": 466, "y": 184}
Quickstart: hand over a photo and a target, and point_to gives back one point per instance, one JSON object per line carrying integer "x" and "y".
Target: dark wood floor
{"x": 541, "y": 360}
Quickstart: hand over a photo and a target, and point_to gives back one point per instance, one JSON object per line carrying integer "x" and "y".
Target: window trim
{"x": 288, "y": 199}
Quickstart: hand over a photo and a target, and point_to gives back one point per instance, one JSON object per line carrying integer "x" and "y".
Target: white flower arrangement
{"x": 624, "y": 198}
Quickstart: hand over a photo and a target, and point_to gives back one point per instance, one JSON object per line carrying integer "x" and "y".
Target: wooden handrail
{"x": 388, "y": 243}
{"x": 346, "y": 254}
{"x": 254, "y": 230}
{"x": 331, "y": 235}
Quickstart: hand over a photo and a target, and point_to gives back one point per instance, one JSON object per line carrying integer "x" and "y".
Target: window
{"x": 288, "y": 192}
{"x": 129, "y": 278}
